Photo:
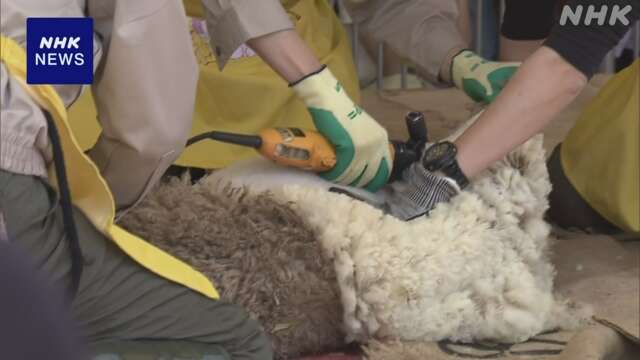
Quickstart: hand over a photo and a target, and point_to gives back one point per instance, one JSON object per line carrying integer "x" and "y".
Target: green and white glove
{"x": 361, "y": 144}
{"x": 481, "y": 79}
{"x": 414, "y": 195}
{"x": 417, "y": 193}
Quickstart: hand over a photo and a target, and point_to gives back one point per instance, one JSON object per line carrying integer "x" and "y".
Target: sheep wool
{"x": 477, "y": 268}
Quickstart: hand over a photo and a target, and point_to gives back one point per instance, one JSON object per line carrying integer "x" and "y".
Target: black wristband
{"x": 453, "y": 58}
{"x": 307, "y": 76}
{"x": 455, "y": 172}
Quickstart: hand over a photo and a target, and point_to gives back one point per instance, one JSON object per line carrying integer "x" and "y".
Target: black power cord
{"x": 71, "y": 231}
{"x": 229, "y": 138}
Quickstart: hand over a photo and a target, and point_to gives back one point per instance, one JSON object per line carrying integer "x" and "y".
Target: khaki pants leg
{"x": 422, "y": 32}
{"x": 118, "y": 300}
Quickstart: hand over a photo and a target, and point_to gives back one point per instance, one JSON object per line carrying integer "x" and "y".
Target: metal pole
{"x": 636, "y": 45}
{"x": 403, "y": 76}
{"x": 355, "y": 41}
{"x": 479, "y": 27}
{"x": 609, "y": 64}
{"x": 380, "y": 66}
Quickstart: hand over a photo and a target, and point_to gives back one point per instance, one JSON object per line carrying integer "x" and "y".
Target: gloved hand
{"x": 482, "y": 80}
{"x": 361, "y": 144}
{"x": 417, "y": 193}
{"x": 414, "y": 195}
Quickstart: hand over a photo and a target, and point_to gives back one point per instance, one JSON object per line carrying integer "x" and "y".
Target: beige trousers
{"x": 425, "y": 33}
{"x": 144, "y": 86}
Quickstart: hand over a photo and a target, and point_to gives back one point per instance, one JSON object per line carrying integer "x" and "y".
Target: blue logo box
{"x": 59, "y": 50}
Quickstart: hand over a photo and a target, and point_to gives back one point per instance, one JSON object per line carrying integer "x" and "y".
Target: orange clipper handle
{"x": 307, "y": 150}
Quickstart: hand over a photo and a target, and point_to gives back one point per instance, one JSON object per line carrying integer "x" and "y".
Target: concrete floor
{"x": 447, "y": 109}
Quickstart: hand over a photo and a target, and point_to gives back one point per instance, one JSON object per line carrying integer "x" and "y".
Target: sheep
{"x": 477, "y": 268}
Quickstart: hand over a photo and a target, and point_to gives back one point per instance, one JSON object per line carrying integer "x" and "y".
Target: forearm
{"x": 517, "y": 50}
{"x": 145, "y": 107}
{"x": 286, "y": 53}
{"x": 549, "y": 80}
{"x": 424, "y": 33}
{"x": 543, "y": 86}
{"x": 232, "y": 23}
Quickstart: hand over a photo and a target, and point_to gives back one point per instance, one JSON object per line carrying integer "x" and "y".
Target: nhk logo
{"x": 55, "y": 58}
{"x": 59, "y": 50}
{"x": 588, "y": 15}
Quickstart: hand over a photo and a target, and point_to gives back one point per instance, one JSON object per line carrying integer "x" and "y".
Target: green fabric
{"x": 118, "y": 299}
{"x": 497, "y": 78}
{"x": 357, "y": 180}
{"x": 480, "y": 79}
{"x": 158, "y": 350}
{"x": 329, "y": 126}
{"x": 359, "y": 141}
{"x": 381, "y": 177}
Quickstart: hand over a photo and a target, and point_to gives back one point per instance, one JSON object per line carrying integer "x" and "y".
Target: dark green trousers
{"x": 122, "y": 307}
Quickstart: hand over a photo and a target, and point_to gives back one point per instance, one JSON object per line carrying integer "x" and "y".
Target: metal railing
{"x": 636, "y": 45}
{"x": 608, "y": 65}
{"x": 479, "y": 27}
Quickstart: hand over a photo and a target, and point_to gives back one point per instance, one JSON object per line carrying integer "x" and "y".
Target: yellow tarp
{"x": 247, "y": 96}
{"x": 89, "y": 190}
{"x": 601, "y": 154}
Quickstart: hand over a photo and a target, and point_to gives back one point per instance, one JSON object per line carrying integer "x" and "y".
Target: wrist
{"x": 321, "y": 89}
{"x": 301, "y": 70}
{"x": 462, "y": 64}
{"x": 442, "y": 157}
{"x": 446, "y": 66}
{"x": 286, "y": 53}
{"x": 307, "y": 75}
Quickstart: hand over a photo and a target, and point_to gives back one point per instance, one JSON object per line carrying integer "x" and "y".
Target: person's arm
{"x": 524, "y": 27}
{"x": 544, "y": 85}
{"x": 361, "y": 144}
{"x": 144, "y": 92}
{"x": 287, "y": 54}
{"x": 427, "y": 34}
{"x": 421, "y": 32}
{"x": 232, "y": 23}
{"x": 549, "y": 80}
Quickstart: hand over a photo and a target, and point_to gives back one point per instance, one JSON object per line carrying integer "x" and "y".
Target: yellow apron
{"x": 89, "y": 190}
{"x": 247, "y": 96}
{"x": 601, "y": 154}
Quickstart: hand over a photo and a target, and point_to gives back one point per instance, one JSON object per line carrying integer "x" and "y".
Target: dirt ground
{"x": 446, "y": 109}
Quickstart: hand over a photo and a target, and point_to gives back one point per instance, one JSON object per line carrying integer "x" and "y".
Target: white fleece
{"x": 475, "y": 269}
